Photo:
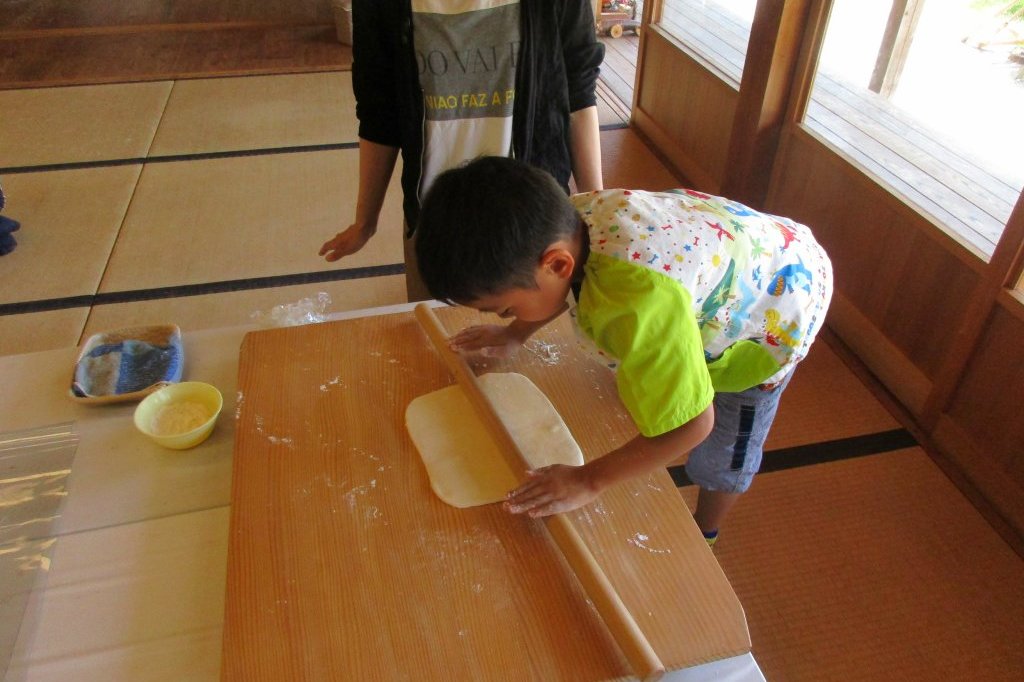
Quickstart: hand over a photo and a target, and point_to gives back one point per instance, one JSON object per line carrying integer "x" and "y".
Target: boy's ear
{"x": 558, "y": 261}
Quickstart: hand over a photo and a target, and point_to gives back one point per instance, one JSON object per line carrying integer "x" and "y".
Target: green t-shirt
{"x": 686, "y": 294}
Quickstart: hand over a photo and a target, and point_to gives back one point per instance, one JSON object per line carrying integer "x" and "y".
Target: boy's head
{"x": 493, "y": 226}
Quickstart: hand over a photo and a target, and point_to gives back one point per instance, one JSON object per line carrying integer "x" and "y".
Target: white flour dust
{"x": 598, "y": 509}
{"x": 274, "y": 440}
{"x": 640, "y": 540}
{"x": 381, "y": 466}
{"x": 547, "y": 353}
{"x": 326, "y": 386}
{"x": 352, "y": 496}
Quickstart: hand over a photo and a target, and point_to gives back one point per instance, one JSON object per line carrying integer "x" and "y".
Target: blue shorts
{"x": 731, "y": 454}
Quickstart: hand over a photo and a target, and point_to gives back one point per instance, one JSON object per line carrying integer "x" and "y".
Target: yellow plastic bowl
{"x": 179, "y": 416}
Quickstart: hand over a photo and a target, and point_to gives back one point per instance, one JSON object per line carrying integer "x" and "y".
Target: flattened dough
{"x": 465, "y": 467}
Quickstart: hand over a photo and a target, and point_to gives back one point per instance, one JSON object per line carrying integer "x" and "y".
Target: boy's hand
{"x": 551, "y": 490}
{"x": 491, "y": 340}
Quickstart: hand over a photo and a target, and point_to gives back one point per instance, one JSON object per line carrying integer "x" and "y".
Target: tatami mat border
{"x": 171, "y": 158}
{"x": 202, "y": 156}
{"x": 184, "y": 290}
{"x": 820, "y": 453}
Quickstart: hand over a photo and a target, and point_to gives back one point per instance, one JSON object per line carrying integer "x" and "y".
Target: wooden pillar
{"x": 769, "y": 72}
{"x": 896, "y": 41}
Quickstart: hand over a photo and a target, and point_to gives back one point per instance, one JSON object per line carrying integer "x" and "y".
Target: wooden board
{"x": 343, "y": 565}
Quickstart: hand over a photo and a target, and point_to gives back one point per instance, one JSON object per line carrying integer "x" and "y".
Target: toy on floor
{"x": 617, "y": 16}
{"x": 7, "y": 226}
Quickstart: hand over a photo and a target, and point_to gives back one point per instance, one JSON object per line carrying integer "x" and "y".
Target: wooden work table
{"x": 133, "y": 585}
{"x": 342, "y": 564}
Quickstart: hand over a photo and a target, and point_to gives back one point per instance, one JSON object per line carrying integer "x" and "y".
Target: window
{"x": 717, "y": 30}
{"x": 929, "y": 98}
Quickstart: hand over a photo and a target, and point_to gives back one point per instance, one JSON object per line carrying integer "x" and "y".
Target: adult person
{"x": 443, "y": 82}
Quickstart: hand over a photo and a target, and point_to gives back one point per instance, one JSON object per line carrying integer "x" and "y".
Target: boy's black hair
{"x": 483, "y": 227}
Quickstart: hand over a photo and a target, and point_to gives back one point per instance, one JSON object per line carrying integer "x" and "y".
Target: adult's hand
{"x": 376, "y": 162}
{"x": 347, "y": 242}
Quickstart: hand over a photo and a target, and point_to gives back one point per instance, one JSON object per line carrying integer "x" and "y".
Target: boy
{"x": 701, "y": 305}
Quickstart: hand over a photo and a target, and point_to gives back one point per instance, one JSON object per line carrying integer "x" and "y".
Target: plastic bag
{"x": 304, "y": 311}
{"x": 35, "y": 466}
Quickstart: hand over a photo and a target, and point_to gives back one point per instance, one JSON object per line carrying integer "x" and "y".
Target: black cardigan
{"x": 559, "y": 61}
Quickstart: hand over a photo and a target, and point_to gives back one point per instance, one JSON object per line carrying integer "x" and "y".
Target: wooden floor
{"x": 618, "y": 72}
{"x": 200, "y": 203}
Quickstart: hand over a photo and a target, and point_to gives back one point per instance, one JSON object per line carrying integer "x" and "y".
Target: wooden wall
{"x": 900, "y": 292}
{"x": 981, "y": 429}
{"x": 935, "y": 322}
{"x": 689, "y": 117}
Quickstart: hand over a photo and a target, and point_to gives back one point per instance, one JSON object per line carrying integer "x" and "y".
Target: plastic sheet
{"x": 34, "y": 468}
{"x": 305, "y": 311}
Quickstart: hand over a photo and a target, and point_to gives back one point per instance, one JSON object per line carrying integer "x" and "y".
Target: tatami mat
{"x": 88, "y": 123}
{"x": 257, "y": 112}
{"x": 204, "y": 221}
{"x": 140, "y": 584}
{"x": 630, "y": 164}
{"x": 31, "y": 332}
{"x": 826, "y": 401}
{"x": 69, "y": 221}
{"x": 237, "y": 308}
{"x": 874, "y": 568}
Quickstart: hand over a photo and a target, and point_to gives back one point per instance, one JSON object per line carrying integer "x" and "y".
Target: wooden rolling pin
{"x": 624, "y": 630}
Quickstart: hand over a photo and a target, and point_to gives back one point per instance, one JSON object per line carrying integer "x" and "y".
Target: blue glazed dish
{"x": 128, "y": 364}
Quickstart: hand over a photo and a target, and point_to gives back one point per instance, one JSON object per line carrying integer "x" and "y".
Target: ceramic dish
{"x": 127, "y": 364}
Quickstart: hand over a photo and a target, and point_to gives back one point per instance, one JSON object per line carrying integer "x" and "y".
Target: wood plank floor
{"x": 618, "y": 72}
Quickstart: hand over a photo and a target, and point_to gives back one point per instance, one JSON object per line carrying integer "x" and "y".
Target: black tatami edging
{"x": 183, "y": 290}
{"x": 87, "y": 300}
{"x": 172, "y": 158}
{"x": 820, "y": 453}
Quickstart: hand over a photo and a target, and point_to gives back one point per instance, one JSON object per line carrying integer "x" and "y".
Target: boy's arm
{"x": 559, "y": 488}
